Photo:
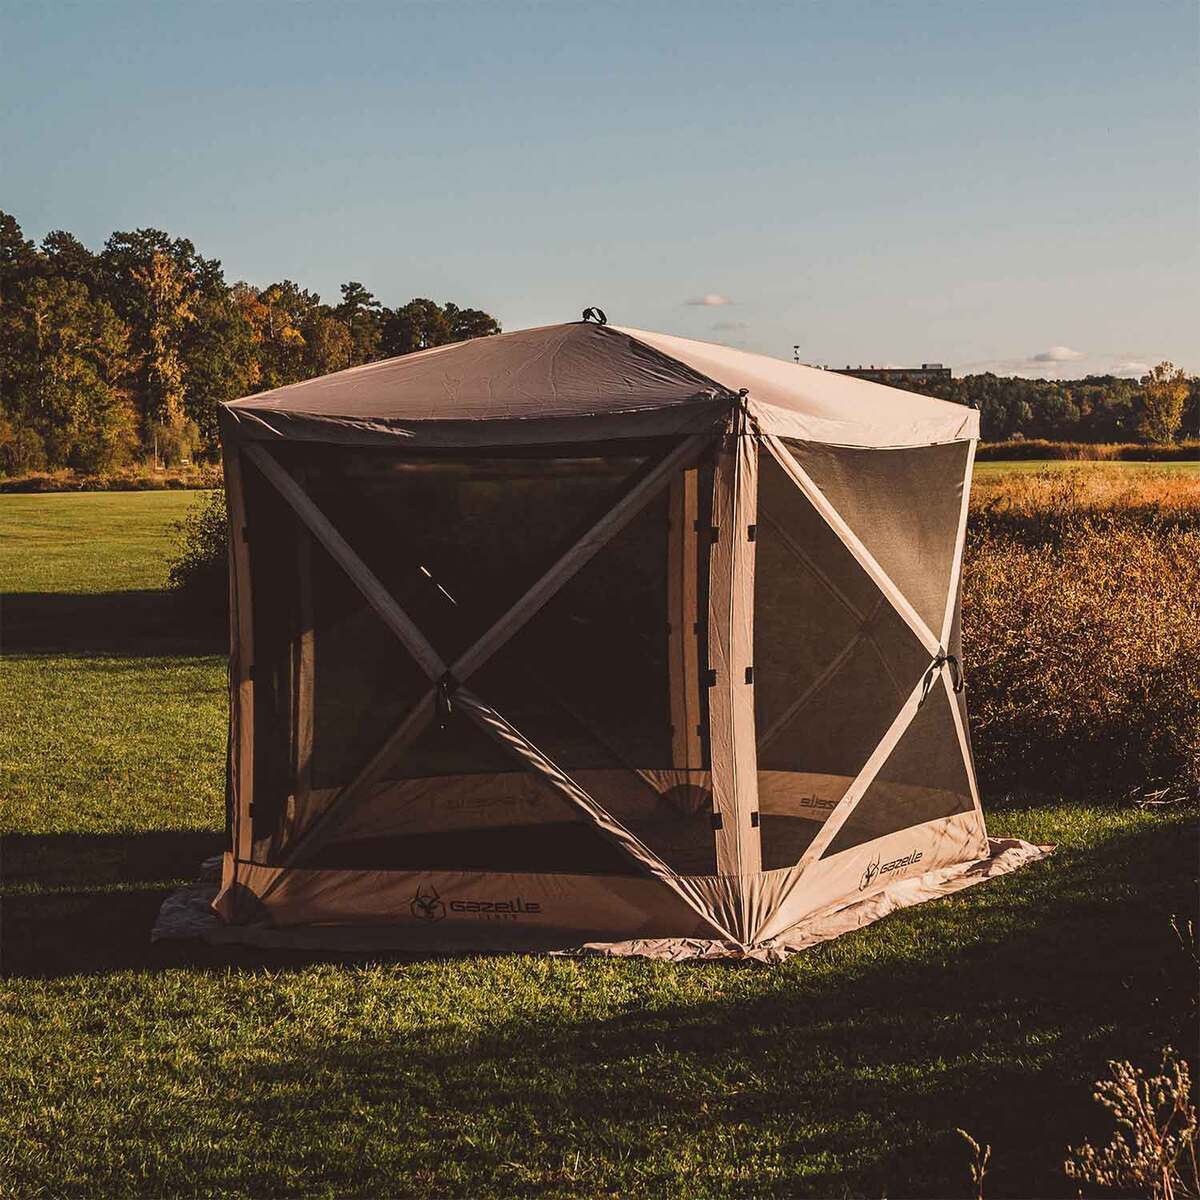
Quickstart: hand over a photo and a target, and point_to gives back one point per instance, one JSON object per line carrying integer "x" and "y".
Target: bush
{"x": 21, "y": 450}
{"x": 1081, "y": 628}
{"x": 199, "y": 572}
{"x": 1153, "y": 1149}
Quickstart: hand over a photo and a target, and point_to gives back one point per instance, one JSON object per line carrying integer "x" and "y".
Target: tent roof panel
{"x": 581, "y": 380}
{"x": 821, "y": 406}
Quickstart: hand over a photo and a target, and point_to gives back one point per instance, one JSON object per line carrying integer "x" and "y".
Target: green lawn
{"x": 127, "y": 1069}
{"x": 1021, "y": 466}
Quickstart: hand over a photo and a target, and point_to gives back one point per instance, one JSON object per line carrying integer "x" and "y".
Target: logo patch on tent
{"x": 496, "y": 910}
{"x": 427, "y": 905}
{"x": 874, "y": 868}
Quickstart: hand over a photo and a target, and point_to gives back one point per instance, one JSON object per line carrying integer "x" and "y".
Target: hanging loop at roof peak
{"x": 595, "y": 314}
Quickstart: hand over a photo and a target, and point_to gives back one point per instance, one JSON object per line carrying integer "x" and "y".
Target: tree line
{"x": 1160, "y": 407}
{"x": 123, "y": 355}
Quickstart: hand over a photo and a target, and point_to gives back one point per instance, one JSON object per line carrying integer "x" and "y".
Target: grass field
{"x": 127, "y": 1069}
{"x": 991, "y": 470}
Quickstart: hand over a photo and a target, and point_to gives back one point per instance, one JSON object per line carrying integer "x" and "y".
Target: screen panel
{"x": 833, "y": 666}
{"x": 923, "y": 779}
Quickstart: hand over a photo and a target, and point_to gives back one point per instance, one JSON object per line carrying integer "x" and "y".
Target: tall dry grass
{"x": 1081, "y": 629}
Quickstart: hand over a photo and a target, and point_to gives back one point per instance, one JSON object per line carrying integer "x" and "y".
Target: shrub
{"x": 1154, "y": 1147}
{"x": 1081, "y": 625}
{"x": 199, "y": 571}
{"x": 21, "y": 450}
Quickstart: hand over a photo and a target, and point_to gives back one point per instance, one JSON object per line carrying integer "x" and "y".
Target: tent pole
{"x": 241, "y": 659}
{"x": 731, "y": 651}
{"x": 682, "y": 616}
{"x": 302, "y": 675}
{"x": 953, "y": 599}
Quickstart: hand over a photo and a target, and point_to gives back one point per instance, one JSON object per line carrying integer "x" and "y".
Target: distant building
{"x": 897, "y": 376}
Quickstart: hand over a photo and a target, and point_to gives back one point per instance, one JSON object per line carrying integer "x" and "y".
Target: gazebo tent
{"x": 587, "y": 635}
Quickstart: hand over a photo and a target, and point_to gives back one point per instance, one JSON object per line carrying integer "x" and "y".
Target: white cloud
{"x": 1131, "y": 370}
{"x": 709, "y": 300}
{"x": 1057, "y": 354}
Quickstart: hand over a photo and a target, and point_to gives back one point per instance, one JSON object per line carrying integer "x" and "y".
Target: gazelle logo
{"x": 874, "y": 869}
{"x": 868, "y": 876}
{"x": 427, "y": 905}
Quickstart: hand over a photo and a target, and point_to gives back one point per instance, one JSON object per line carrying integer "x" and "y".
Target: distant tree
{"x": 469, "y": 322}
{"x": 167, "y": 308}
{"x": 75, "y": 360}
{"x": 146, "y": 337}
{"x": 1164, "y": 393}
{"x": 220, "y": 358}
{"x": 360, "y": 312}
{"x": 18, "y": 256}
{"x": 417, "y": 325}
{"x": 155, "y": 283}
{"x": 68, "y": 258}
{"x": 277, "y": 315}
{"x": 328, "y": 344}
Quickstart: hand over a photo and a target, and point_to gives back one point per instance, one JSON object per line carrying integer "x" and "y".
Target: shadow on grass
{"x": 843, "y": 1072}
{"x": 840, "y": 1072}
{"x": 144, "y": 623}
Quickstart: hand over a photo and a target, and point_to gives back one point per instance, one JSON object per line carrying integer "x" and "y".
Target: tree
{"x": 468, "y": 323}
{"x": 68, "y": 258}
{"x": 220, "y": 358}
{"x": 418, "y": 325}
{"x": 360, "y": 312}
{"x": 18, "y": 257}
{"x": 74, "y": 354}
{"x": 154, "y": 282}
{"x": 328, "y": 344}
{"x": 1164, "y": 393}
{"x": 277, "y": 315}
{"x": 166, "y": 309}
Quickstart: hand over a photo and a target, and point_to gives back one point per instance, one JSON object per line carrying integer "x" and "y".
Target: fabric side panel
{"x": 890, "y": 434}
{"x": 588, "y": 906}
{"x": 731, "y": 649}
{"x": 832, "y": 882}
{"x": 701, "y": 415}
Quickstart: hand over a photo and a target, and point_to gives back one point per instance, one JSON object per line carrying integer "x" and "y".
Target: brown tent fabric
{"x": 589, "y": 635}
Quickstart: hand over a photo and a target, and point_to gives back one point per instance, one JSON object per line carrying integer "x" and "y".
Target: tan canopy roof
{"x": 583, "y": 381}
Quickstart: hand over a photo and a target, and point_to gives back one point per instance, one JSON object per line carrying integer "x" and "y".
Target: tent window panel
{"x": 924, "y": 779}
{"x": 904, "y": 505}
{"x": 364, "y": 681}
{"x": 834, "y": 664}
{"x": 589, "y": 681}
{"x": 457, "y": 540}
{"x": 458, "y": 800}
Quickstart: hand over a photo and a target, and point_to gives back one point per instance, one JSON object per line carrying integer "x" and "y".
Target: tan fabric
{"x": 183, "y": 915}
{"x": 794, "y": 401}
{"x": 1004, "y": 855}
{"x": 856, "y": 777}
{"x": 731, "y": 655}
{"x": 587, "y": 382}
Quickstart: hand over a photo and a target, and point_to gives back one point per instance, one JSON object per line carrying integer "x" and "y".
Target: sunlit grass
{"x": 127, "y": 1069}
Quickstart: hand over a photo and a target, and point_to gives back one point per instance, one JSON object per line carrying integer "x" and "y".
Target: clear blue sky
{"x": 977, "y": 181}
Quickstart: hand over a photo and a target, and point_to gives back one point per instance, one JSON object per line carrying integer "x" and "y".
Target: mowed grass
{"x": 127, "y": 1069}
{"x": 992, "y": 470}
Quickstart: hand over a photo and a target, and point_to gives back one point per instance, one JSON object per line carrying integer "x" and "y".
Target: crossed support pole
{"x": 730, "y": 630}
